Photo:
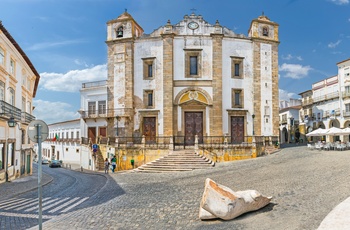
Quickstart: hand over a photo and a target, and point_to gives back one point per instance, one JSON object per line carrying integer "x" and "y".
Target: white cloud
{"x": 290, "y": 57}
{"x": 340, "y": 2}
{"x": 45, "y": 45}
{"x": 72, "y": 80}
{"x": 333, "y": 45}
{"x": 294, "y": 71}
{"x": 52, "y": 112}
{"x": 286, "y": 96}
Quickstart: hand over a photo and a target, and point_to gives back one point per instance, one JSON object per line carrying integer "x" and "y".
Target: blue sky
{"x": 65, "y": 39}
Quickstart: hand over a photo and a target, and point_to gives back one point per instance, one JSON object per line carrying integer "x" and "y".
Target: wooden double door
{"x": 237, "y": 129}
{"x": 193, "y": 127}
{"x": 149, "y": 129}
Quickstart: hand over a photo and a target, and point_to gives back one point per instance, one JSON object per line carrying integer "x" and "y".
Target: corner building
{"x": 193, "y": 78}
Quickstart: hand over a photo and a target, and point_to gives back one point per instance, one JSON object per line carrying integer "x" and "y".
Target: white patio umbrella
{"x": 346, "y": 131}
{"x": 317, "y": 132}
{"x": 334, "y": 131}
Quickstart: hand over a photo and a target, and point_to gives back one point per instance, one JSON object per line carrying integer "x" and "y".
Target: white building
{"x": 289, "y": 120}
{"x": 192, "y": 78}
{"x": 18, "y": 84}
{"x": 328, "y": 103}
{"x": 64, "y": 143}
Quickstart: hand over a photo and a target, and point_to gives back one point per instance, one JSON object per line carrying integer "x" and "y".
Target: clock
{"x": 193, "y": 25}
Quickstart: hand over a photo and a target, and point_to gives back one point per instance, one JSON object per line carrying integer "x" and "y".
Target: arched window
{"x": 120, "y": 32}
{"x": 265, "y": 31}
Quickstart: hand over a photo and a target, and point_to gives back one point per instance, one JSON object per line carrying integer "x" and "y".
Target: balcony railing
{"x": 326, "y": 97}
{"x": 103, "y": 113}
{"x": 307, "y": 102}
{"x": 345, "y": 94}
{"x": 26, "y": 117}
{"x": 94, "y": 84}
{"x": 7, "y": 110}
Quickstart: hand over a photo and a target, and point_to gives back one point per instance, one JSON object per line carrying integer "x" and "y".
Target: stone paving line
{"x": 306, "y": 186}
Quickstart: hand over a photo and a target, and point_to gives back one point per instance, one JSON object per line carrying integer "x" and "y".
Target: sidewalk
{"x": 23, "y": 185}
{"x": 338, "y": 218}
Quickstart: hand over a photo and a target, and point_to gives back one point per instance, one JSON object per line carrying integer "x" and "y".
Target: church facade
{"x": 192, "y": 79}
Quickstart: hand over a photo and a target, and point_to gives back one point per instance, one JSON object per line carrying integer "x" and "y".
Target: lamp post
{"x": 292, "y": 128}
{"x": 117, "y": 142}
{"x": 11, "y": 123}
{"x": 253, "y": 116}
{"x": 117, "y": 117}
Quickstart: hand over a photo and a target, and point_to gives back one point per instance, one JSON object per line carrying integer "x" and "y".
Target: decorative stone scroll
{"x": 219, "y": 201}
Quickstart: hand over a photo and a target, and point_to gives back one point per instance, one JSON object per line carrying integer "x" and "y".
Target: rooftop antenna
{"x": 263, "y": 13}
{"x": 126, "y": 10}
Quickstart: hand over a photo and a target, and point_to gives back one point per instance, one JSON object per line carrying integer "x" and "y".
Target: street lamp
{"x": 11, "y": 123}
{"x": 117, "y": 117}
{"x": 253, "y": 116}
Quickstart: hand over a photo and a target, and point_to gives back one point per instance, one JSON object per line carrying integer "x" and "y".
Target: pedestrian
{"x": 114, "y": 163}
{"x": 106, "y": 165}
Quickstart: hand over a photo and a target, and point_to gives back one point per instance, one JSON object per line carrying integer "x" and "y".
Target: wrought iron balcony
{"x": 27, "y": 118}
{"x": 7, "y": 110}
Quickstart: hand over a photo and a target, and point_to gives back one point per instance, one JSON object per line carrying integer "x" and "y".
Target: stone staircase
{"x": 271, "y": 149}
{"x": 180, "y": 160}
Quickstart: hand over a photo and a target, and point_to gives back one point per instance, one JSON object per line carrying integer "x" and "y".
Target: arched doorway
{"x": 284, "y": 138}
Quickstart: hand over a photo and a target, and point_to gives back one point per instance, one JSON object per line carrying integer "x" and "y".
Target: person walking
{"x": 114, "y": 163}
{"x": 106, "y": 165}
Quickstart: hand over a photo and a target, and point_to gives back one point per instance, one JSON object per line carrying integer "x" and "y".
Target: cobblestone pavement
{"x": 305, "y": 184}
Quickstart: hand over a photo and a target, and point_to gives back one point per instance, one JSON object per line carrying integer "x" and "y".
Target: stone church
{"x": 192, "y": 78}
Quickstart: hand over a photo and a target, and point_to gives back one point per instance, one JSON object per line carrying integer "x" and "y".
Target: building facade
{"x": 289, "y": 121}
{"x": 18, "y": 84}
{"x": 192, "y": 79}
{"x": 327, "y": 104}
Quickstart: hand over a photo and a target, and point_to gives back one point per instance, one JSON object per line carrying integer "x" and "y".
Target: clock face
{"x": 193, "y": 25}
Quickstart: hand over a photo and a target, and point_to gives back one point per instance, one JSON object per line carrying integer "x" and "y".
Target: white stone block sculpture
{"x": 219, "y": 201}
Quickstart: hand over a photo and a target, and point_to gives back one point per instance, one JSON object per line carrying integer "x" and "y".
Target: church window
{"x": 237, "y": 67}
{"x": 148, "y": 98}
{"x": 237, "y": 98}
{"x": 193, "y": 67}
{"x": 120, "y": 32}
{"x": 265, "y": 31}
{"x": 148, "y": 68}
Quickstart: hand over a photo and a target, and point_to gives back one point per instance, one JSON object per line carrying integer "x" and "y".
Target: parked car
{"x": 55, "y": 163}
{"x": 44, "y": 161}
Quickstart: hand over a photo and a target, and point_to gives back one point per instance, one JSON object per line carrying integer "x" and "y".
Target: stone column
{"x": 216, "y": 112}
{"x": 168, "y": 73}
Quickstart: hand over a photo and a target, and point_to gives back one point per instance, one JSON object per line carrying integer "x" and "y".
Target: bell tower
{"x": 264, "y": 34}
{"x": 121, "y": 35}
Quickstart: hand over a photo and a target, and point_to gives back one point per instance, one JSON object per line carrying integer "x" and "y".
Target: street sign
{"x": 32, "y": 130}
{"x": 94, "y": 146}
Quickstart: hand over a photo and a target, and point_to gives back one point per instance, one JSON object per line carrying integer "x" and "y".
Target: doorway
{"x": 237, "y": 129}
{"x": 193, "y": 127}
